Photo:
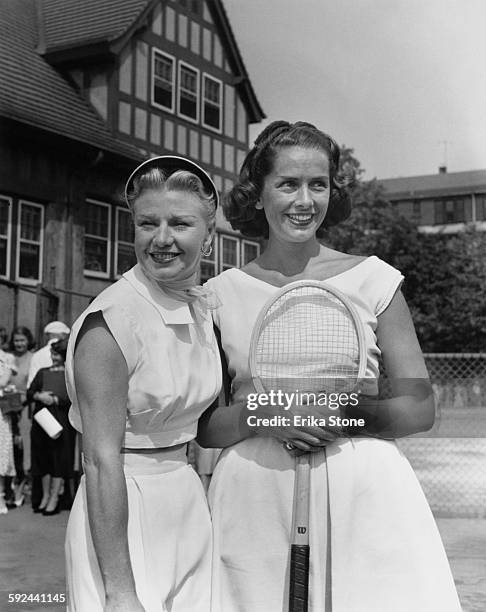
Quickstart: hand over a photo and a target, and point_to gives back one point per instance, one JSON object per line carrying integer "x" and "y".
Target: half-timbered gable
{"x": 91, "y": 88}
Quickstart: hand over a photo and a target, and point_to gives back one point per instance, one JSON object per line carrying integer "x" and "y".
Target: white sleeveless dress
{"x": 174, "y": 373}
{"x": 375, "y": 546}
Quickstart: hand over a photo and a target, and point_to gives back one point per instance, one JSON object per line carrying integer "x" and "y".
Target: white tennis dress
{"x": 174, "y": 374}
{"x": 374, "y": 543}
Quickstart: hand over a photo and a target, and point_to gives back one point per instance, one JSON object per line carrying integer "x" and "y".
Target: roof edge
{"x": 103, "y": 45}
{"x": 242, "y": 78}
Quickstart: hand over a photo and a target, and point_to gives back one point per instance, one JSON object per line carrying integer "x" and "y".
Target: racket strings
{"x": 308, "y": 342}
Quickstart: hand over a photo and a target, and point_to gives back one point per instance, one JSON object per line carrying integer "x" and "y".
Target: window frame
{"x": 244, "y": 241}
{"x": 181, "y": 65}
{"x": 222, "y": 238}
{"x": 116, "y": 241}
{"x": 94, "y": 273}
{"x": 8, "y": 236}
{"x": 18, "y": 278}
{"x": 155, "y": 51}
{"x": 205, "y": 76}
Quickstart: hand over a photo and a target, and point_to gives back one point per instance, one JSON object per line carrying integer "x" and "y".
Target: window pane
{"x": 29, "y": 261}
{"x": 188, "y": 93}
{"x": 30, "y": 223}
{"x": 250, "y": 251}
{"x": 4, "y": 204}
{"x": 163, "y": 79}
{"x": 125, "y": 226}
{"x": 229, "y": 253}
{"x": 212, "y": 103}
{"x": 95, "y": 255}
{"x": 212, "y": 116}
{"x": 125, "y": 258}
{"x": 3, "y": 257}
{"x": 97, "y": 220}
{"x": 481, "y": 208}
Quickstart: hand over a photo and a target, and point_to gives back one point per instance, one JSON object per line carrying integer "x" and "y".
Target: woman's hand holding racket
{"x": 305, "y": 438}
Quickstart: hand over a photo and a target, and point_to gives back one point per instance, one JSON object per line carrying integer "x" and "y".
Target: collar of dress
{"x": 172, "y": 311}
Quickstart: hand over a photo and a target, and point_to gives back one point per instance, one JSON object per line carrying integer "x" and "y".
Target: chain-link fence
{"x": 450, "y": 461}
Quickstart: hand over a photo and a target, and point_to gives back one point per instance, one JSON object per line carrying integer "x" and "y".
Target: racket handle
{"x": 299, "y": 578}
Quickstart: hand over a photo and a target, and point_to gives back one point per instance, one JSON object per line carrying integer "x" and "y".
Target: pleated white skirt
{"x": 169, "y": 538}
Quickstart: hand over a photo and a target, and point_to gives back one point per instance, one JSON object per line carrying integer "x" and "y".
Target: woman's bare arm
{"x": 101, "y": 378}
{"x": 411, "y": 406}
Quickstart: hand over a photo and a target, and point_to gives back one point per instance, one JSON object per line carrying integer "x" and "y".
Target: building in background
{"x": 444, "y": 202}
{"x": 89, "y": 89}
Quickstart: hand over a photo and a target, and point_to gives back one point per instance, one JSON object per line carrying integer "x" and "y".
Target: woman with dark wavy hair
{"x": 374, "y": 544}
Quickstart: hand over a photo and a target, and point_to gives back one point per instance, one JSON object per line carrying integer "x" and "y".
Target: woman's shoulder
{"x": 223, "y": 280}
{"x": 371, "y": 280}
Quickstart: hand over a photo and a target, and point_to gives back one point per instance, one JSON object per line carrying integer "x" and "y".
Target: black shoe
{"x": 51, "y": 512}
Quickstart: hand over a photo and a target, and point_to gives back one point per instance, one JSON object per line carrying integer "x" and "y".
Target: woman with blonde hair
{"x": 143, "y": 364}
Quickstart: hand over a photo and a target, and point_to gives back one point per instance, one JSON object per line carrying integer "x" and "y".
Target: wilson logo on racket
{"x": 302, "y": 530}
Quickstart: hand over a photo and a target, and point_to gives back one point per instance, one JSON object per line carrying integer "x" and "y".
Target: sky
{"x": 402, "y": 82}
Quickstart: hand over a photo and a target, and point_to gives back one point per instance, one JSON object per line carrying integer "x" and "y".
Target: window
{"x": 97, "y": 239}
{"x": 212, "y": 103}
{"x": 249, "y": 251}
{"x": 188, "y": 106}
{"x": 481, "y": 208}
{"x": 208, "y": 264}
{"x": 30, "y": 233}
{"x": 124, "y": 251}
{"x": 5, "y": 222}
{"x": 449, "y": 211}
{"x": 163, "y": 76}
{"x": 229, "y": 252}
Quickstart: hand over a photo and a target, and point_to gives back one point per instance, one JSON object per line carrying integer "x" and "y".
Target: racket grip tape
{"x": 299, "y": 578}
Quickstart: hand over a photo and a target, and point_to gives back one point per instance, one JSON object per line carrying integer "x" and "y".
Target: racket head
{"x": 308, "y": 337}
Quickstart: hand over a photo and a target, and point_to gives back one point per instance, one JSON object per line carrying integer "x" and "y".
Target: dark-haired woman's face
{"x": 20, "y": 343}
{"x": 295, "y": 195}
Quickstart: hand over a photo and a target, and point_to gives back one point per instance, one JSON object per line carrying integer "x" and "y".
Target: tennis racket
{"x": 308, "y": 338}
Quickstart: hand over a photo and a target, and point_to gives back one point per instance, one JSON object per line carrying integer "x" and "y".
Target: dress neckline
{"x": 315, "y": 279}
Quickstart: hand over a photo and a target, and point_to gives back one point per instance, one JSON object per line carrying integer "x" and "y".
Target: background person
{"x": 52, "y": 460}
{"x": 21, "y": 345}
{"x": 143, "y": 364}
{"x": 374, "y": 544}
{"x": 7, "y": 465}
{"x": 55, "y": 330}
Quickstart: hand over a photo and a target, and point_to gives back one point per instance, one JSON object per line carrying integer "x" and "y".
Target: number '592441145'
{"x": 36, "y": 597}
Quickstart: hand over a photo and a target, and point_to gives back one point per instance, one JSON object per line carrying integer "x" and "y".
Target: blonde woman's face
{"x": 170, "y": 230}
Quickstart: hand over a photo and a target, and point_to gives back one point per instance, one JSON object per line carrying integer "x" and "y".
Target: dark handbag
{"x": 11, "y": 402}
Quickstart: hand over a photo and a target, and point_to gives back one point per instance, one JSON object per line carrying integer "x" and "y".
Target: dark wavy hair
{"x": 239, "y": 203}
{"x": 25, "y": 331}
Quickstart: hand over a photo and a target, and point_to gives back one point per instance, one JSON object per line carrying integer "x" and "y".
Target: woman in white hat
{"x": 142, "y": 365}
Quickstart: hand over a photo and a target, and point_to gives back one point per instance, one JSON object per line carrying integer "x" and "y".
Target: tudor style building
{"x": 89, "y": 89}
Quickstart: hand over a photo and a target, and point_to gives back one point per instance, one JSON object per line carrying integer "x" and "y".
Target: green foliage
{"x": 445, "y": 274}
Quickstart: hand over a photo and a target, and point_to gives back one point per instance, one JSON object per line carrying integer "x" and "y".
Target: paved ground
{"x": 31, "y": 559}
